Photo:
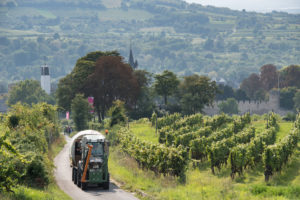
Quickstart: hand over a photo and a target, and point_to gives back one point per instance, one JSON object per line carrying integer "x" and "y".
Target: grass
{"x": 284, "y": 129}
{"x": 52, "y": 192}
{"x": 144, "y": 131}
{"x": 201, "y": 183}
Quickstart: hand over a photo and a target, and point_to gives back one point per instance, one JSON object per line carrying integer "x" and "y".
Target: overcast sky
{"x": 292, "y": 6}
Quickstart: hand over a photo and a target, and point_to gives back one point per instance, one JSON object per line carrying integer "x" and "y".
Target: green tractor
{"x": 89, "y": 159}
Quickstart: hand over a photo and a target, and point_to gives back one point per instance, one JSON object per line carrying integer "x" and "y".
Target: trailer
{"x": 89, "y": 159}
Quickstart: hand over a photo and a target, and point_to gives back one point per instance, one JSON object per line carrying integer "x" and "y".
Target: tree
{"x": 117, "y": 113}
{"x": 111, "y": 80}
{"x": 29, "y": 92}
{"x": 286, "y": 97}
{"x": 296, "y": 100}
{"x": 225, "y": 92}
{"x": 80, "y": 112}
{"x": 289, "y": 76}
{"x": 145, "y": 104}
{"x": 251, "y": 85}
{"x": 268, "y": 76}
{"x": 74, "y": 82}
{"x": 240, "y": 95}
{"x": 196, "y": 92}
{"x": 166, "y": 84}
{"x": 229, "y": 106}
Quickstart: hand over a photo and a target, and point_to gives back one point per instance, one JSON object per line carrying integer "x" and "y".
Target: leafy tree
{"x": 296, "y": 100}
{"x": 286, "y": 97}
{"x": 117, "y": 113}
{"x": 80, "y": 112}
{"x": 268, "y": 76}
{"x": 251, "y": 85}
{"x": 145, "y": 104}
{"x": 196, "y": 92}
{"x": 111, "y": 80}
{"x": 289, "y": 76}
{"x": 260, "y": 95}
{"x": 225, "y": 92}
{"x": 74, "y": 82}
{"x": 240, "y": 95}
{"x": 29, "y": 92}
{"x": 229, "y": 106}
{"x": 166, "y": 84}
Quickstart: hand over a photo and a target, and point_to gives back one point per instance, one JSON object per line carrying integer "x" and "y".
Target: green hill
{"x": 165, "y": 34}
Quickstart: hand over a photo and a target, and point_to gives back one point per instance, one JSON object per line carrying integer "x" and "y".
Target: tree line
{"x": 107, "y": 77}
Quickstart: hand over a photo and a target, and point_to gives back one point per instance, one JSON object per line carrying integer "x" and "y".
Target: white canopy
{"x": 80, "y": 135}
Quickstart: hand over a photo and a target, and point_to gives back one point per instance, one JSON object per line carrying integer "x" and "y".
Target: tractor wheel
{"x": 106, "y": 184}
{"x": 75, "y": 176}
{"x": 84, "y": 186}
{"x": 78, "y": 177}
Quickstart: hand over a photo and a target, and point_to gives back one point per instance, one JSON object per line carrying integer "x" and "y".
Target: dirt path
{"x": 63, "y": 176}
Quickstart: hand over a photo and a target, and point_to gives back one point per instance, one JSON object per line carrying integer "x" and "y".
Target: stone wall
{"x": 254, "y": 107}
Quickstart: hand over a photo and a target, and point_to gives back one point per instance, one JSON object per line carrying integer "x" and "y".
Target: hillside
{"x": 165, "y": 34}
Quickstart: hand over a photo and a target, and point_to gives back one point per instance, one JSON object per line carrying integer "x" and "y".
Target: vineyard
{"x": 222, "y": 141}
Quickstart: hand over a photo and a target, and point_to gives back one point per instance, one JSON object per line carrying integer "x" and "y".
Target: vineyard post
{"x": 156, "y": 126}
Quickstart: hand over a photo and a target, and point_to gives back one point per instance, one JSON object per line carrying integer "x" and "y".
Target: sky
{"x": 291, "y": 6}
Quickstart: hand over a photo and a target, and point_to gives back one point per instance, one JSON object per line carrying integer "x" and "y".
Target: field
{"x": 201, "y": 183}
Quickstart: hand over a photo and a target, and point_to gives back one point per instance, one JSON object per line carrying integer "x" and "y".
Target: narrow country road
{"x": 63, "y": 176}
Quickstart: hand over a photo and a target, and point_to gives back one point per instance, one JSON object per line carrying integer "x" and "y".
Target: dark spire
{"x": 132, "y": 63}
{"x": 131, "y": 60}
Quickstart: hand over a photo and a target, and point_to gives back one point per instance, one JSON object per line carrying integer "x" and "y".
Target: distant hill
{"x": 165, "y": 34}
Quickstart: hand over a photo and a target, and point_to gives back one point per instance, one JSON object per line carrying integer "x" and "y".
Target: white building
{"x": 45, "y": 79}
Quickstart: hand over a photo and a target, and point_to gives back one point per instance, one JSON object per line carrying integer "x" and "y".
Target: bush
{"x": 290, "y": 117}
{"x": 37, "y": 173}
{"x": 117, "y": 113}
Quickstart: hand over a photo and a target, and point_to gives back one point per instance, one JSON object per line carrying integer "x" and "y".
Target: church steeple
{"x": 133, "y": 64}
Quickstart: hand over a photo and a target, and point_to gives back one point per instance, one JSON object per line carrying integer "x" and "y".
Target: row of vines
{"x": 156, "y": 157}
{"x": 220, "y": 139}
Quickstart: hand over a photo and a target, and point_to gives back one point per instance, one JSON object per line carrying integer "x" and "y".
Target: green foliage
{"x": 286, "y": 97}
{"x": 290, "y": 76}
{"x": 166, "y": 84}
{"x": 80, "y": 112}
{"x": 230, "y": 106}
{"x": 167, "y": 120}
{"x": 153, "y": 119}
{"x": 244, "y": 155}
{"x": 29, "y": 92}
{"x": 196, "y": 92}
{"x": 296, "y": 100}
{"x": 117, "y": 113}
{"x": 8, "y": 174}
{"x": 290, "y": 116}
{"x": 275, "y": 156}
{"x": 158, "y": 158}
{"x": 25, "y": 156}
{"x": 199, "y": 147}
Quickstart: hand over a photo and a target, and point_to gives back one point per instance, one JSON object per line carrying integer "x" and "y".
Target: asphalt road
{"x": 63, "y": 176}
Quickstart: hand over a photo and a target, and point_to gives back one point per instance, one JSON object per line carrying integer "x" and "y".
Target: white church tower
{"x": 45, "y": 79}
